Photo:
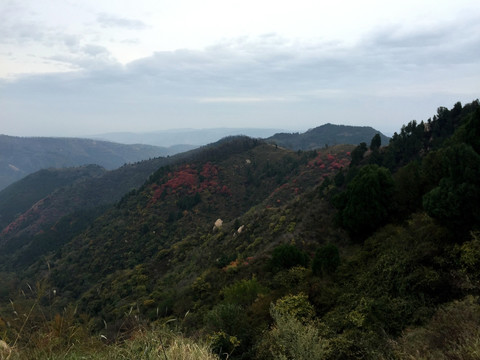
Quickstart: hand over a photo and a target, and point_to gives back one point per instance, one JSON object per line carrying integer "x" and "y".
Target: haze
{"x": 71, "y": 68}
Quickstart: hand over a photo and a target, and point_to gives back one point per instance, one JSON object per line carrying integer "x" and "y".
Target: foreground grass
{"x": 142, "y": 344}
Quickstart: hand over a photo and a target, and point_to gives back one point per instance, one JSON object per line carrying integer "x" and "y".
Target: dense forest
{"x": 247, "y": 250}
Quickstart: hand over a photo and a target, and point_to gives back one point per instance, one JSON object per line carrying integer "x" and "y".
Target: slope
{"x": 326, "y": 135}
{"x": 20, "y": 196}
{"x": 277, "y": 277}
{"x": 170, "y": 216}
{"x": 36, "y": 225}
{"x": 22, "y": 156}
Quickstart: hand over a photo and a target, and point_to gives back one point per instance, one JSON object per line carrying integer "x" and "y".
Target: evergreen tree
{"x": 366, "y": 203}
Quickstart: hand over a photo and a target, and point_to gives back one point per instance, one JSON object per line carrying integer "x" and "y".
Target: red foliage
{"x": 225, "y": 190}
{"x": 186, "y": 178}
{"x": 209, "y": 171}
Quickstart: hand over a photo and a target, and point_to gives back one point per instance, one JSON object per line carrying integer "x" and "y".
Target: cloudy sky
{"x": 80, "y": 67}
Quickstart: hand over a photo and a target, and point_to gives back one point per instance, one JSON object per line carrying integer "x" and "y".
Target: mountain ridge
{"x": 20, "y": 156}
{"x": 352, "y": 251}
{"x": 327, "y": 135}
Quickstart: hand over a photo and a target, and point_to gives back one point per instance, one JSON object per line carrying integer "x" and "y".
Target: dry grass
{"x": 143, "y": 345}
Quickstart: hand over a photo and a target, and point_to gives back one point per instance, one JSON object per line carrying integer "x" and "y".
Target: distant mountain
{"x": 260, "y": 251}
{"x": 328, "y": 134}
{"x": 57, "y": 203}
{"x": 20, "y": 156}
{"x": 188, "y": 137}
{"x": 45, "y": 198}
{"x": 20, "y": 196}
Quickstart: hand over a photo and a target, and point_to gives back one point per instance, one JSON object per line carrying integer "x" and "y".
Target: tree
{"x": 287, "y": 256}
{"x": 357, "y": 154}
{"x": 366, "y": 203}
{"x": 326, "y": 260}
{"x": 376, "y": 142}
{"x": 455, "y": 200}
{"x": 410, "y": 187}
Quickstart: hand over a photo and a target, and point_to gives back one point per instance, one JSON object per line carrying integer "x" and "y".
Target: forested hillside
{"x": 20, "y": 156}
{"x": 21, "y": 195}
{"x": 246, "y": 250}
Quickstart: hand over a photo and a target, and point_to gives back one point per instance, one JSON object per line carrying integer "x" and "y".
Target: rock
{"x": 218, "y": 223}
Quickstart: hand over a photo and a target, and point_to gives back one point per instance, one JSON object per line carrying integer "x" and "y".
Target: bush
{"x": 453, "y": 333}
{"x": 222, "y": 344}
{"x": 297, "y": 306}
{"x": 229, "y": 318}
{"x": 326, "y": 260}
{"x": 290, "y": 339}
{"x": 286, "y": 257}
{"x": 243, "y": 292}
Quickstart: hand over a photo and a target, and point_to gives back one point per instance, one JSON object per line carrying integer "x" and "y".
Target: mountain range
{"x": 176, "y": 137}
{"x": 262, "y": 252}
{"x": 22, "y": 156}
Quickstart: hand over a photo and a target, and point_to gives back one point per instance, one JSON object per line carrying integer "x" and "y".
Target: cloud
{"x": 108, "y": 20}
{"x": 445, "y": 43}
{"x": 242, "y": 99}
{"x": 130, "y": 41}
{"x": 267, "y": 80}
{"x": 95, "y": 50}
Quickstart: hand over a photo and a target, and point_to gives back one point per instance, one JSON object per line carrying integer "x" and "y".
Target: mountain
{"x": 23, "y": 194}
{"x": 42, "y": 206}
{"x": 32, "y": 208}
{"x": 326, "y": 135}
{"x": 22, "y": 156}
{"x": 187, "y": 137}
{"x": 262, "y": 252}
{"x": 187, "y": 215}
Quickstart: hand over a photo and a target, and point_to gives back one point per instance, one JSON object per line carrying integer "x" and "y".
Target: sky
{"x": 81, "y": 67}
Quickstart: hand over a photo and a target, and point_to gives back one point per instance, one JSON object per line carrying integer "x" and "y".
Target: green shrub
{"x": 243, "y": 292}
{"x": 287, "y": 256}
{"x": 297, "y": 306}
{"x": 290, "y": 339}
{"x": 326, "y": 260}
{"x": 222, "y": 344}
{"x": 452, "y": 333}
{"x": 470, "y": 257}
{"x": 229, "y": 318}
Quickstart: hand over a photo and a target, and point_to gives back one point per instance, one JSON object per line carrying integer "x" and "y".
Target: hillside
{"x": 266, "y": 253}
{"x": 42, "y": 207}
{"x": 21, "y": 195}
{"x": 22, "y": 156}
{"x": 326, "y": 135}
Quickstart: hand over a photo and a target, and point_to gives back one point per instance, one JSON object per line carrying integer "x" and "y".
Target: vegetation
{"x": 22, "y": 156}
{"x": 245, "y": 250}
{"x": 328, "y": 135}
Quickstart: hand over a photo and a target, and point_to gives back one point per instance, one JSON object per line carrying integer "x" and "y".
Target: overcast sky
{"x": 80, "y": 67}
